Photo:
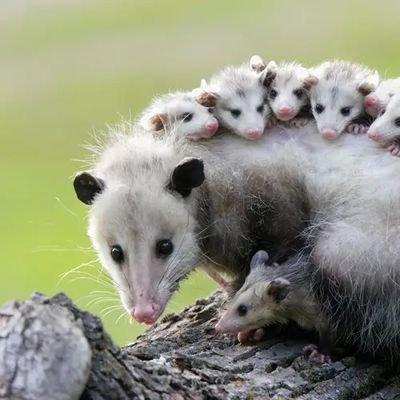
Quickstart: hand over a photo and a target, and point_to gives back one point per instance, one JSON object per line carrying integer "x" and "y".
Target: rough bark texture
{"x": 49, "y": 349}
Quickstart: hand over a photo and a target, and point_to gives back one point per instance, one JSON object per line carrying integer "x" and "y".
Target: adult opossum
{"x": 161, "y": 205}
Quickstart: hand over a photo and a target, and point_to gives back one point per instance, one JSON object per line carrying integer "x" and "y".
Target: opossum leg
{"x": 356, "y": 129}
{"x": 298, "y": 122}
{"x": 316, "y": 354}
{"x": 218, "y": 278}
{"x": 271, "y": 122}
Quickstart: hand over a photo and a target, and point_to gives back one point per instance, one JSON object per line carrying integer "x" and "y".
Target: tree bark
{"x": 49, "y": 349}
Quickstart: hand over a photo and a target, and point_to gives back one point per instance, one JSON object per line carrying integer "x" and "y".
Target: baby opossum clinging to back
{"x": 274, "y": 295}
{"x": 337, "y": 99}
{"x": 179, "y": 112}
{"x": 386, "y": 129}
{"x": 239, "y": 99}
{"x": 288, "y": 87}
{"x": 377, "y": 101}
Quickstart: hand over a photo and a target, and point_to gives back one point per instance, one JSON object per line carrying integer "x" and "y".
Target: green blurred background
{"x": 68, "y": 68}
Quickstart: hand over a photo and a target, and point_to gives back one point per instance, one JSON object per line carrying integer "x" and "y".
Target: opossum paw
{"x": 271, "y": 122}
{"x": 395, "y": 150}
{"x": 253, "y": 336}
{"x": 356, "y": 129}
{"x": 298, "y": 122}
{"x": 316, "y": 355}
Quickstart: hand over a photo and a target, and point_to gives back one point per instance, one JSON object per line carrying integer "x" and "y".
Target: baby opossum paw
{"x": 394, "y": 149}
{"x": 271, "y": 122}
{"x": 356, "y": 129}
{"x": 316, "y": 355}
{"x": 253, "y": 336}
{"x": 298, "y": 122}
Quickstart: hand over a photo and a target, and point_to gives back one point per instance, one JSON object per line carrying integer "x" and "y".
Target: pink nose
{"x": 370, "y": 101}
{"x": 254, "y": 133}
{"x": 285, "y": 111}
{"x": 212, "y": 126}
{"x": 329, "y": 134}
{"x": 374, "y": 135}
{"x": 146, "y": 313}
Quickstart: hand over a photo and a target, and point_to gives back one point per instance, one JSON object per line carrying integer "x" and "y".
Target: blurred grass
{"x": 68, "y": 68}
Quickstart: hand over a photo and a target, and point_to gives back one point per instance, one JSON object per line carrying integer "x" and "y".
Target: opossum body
{"x": 238, "y": 98}
{"x": 337, "y": 100}
{"x": 273, "y": 295}
{"x": 386, "y": 128}
{"x": 288, "y": 87}
{"x": 377, "y": 101}
{"x": 179, "y": 112}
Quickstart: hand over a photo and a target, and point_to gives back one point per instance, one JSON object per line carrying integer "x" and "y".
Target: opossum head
{"x": 288, "y": 87}
{"x": 239, "y": 100}
{"x": 259, "y": 301}
{"x": 378, "y": 100}
{"x": 143, "y": 220}
{"x": 181, "y": 113}
{"x": 386, "y": 128}
{"x": 338, "y": 97}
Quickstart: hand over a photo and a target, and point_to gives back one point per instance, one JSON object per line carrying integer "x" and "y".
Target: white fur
{"x": 383, "y": 93}
{"x": 174, "y": 107}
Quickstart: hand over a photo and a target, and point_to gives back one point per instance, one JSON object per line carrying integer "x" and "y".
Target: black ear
{"x": 87, "y": 186}
{"x": 278, "y": 289}
{"x": 188, "y": 174}
{"x": 261, "y": 257}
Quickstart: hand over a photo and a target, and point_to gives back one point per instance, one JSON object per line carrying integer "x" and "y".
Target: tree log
{"x": 49, "y": 349}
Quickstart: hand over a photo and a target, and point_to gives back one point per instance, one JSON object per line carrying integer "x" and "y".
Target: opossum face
{"x": 258, "y": 302}
{"x": 240, "y": 104}
{"x": 145, "y": 234}
{"x": 334, "y": 107}
{"x": 288, "y": 89}
{"x": 379, "y": 99}
{"x": 182, "y": 114}
{"x": 386, "y": 128}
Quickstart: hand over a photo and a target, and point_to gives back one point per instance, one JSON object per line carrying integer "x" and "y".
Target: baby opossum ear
{"x": 278, "y": 289}
{"x": 310, "y": 81}
{"x": 87, "y": 186}
{"x": 157, "y": 122}
{"x": 269, "y": 73}
{"x": 205, "y": 97}
{"x": 257, "y": 64}
{"x": 259, "y": 258}
{"x": 369, "y": 84}
{"x": 188, "y": 174}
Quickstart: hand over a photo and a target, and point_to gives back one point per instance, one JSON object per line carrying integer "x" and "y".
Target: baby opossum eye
{"x": 235, "y": 112}
{"x": 164, "y": 247}
{"x": 242, "y": 310}
{"x": 298, "y": 93}
{"x": 117, "y": 254}
{"x": 273, "y": 93}
{"x": 186, "y": 117}
{"x": 319, "y": 108}
{"x": 345, "y": 111}
{"x": 382, "y": 112}
{"x": 260, "y": 109}
{"x": 397, "y": 121}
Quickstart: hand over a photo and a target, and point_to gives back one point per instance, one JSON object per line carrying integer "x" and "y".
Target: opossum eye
{"x": 117, "y": 254}
{"x": 242, "y": 310}
{"x": 298, "y": 93}
{"x": 260, "y": 109}
{"x": 235, "y": 112}
{"x": 397, "y": 121}
{"x": 319, "y": 108}
{"x": 186, "y": 117}
{"x": 164, "y": 247}
{"x": 273, "y": 93}
{"x": 345, "y": 111}
{"x": 382, "y": 112}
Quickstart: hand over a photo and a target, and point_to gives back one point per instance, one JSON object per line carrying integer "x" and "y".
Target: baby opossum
{"x": 288, "y": 87}
{"x": 385, "y": 130}
{"x": 378, "y": 100}
{"x": 239, "y": 100}
{"x": 180, "y": 112}
{"x": 337, "y": 100}
{"x": 274, "y": 295}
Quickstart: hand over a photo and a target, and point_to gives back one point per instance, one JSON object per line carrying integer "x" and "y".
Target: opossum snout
{"x": 212, "y": 126}
{"x": 146, "y": 312}
{"x": 371, "y": 101}
{"x": 373, "y": 134}
{"x": 285, "y": 112}
{"x": 329, "y": 134}
{"x": 254, "y": 133}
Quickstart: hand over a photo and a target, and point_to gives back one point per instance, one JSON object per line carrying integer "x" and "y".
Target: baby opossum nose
{"x": 146, "y": 313}
{"x": 254, "y": 133}
{"x": 374, "y": 135}
{"x": 285, "y": 112}
{"x": 212, "y": 126}
{"x": 329, "y": 134}
{"x": 370, "y": 101}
